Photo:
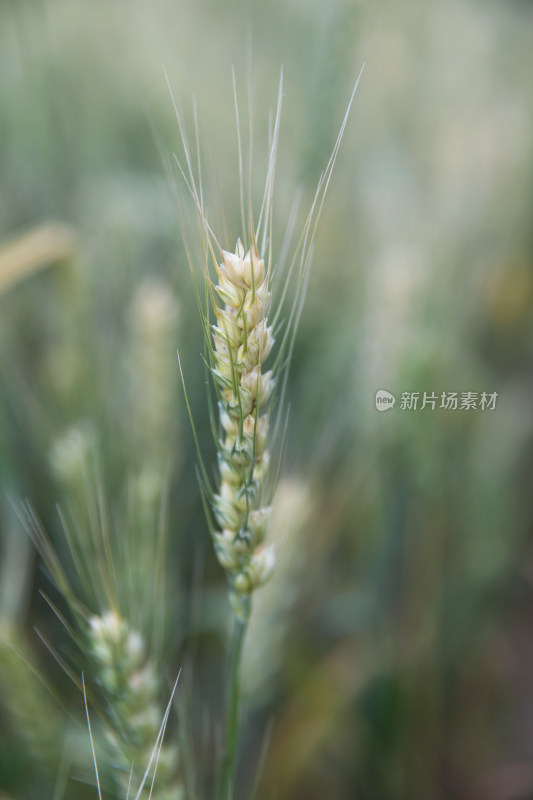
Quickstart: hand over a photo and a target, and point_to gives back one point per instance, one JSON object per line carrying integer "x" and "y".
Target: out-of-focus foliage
{"x": 392, "y": 655}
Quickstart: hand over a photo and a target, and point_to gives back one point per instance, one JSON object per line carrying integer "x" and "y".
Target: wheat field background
{"x": 391, "y": 656}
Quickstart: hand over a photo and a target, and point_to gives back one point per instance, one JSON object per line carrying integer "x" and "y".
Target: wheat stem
{"x": 232, "y": 720}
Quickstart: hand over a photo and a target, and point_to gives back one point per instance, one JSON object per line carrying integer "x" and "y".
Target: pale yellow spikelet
{"x": 242, "y": 341}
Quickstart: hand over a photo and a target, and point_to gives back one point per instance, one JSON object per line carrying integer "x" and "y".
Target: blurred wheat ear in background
{"x": 113, "y": 585}
{"x": 42, "y": 247}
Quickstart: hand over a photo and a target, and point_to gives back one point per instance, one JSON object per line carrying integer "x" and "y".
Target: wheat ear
{"x": 242, "y": 340}
{"x": 130, "y": 685}
{"x": 237, "y": 346}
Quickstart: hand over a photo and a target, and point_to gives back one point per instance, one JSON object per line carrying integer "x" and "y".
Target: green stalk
{"x": 232, "y": 720}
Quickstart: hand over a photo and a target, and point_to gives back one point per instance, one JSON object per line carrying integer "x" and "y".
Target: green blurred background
{"x": 391, "y": 657}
